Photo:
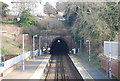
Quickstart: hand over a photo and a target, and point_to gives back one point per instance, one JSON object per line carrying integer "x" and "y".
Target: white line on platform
{"x": 85, "y": 75}
{"x": 39, "y": 71}
{"x": 0, "y": 78}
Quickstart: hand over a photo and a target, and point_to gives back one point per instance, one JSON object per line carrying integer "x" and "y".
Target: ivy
{"x": 110, "y": 15}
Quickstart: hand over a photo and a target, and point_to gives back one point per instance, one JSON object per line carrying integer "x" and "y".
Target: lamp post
{"x": 40, "y": 45}
{"x": 24, "y": 50}
{"x": 89, "y": 49}
{"x": 80, "y": 49}
{"x": 34, "y": 44}
{"x": 110, "y": 61}
{"x": 75, "y": 47}
{"x": 1, "y": 44}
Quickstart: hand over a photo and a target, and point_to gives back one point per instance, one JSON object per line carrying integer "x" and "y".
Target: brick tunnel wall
{"x": 50, "y": 39}
{"x": 69, "y": 42}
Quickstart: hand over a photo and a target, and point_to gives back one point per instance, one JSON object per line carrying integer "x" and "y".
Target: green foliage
{"x": 94, "y": 59}
{"x": 111, "y": 35}
{"x": 110, "y": 15}
{"x": 26, "y": 19}
{"x": 4, "y": 51}
{"x": 9, "y": 22}
{"x": 71, "y": 15}
{"x": 95, "y": 21}
{"x": 3, "y": 9}
{"x": 95, "y": 34}
{"x": 76, "y": 37}
{"x": 20, "y": 46}
{"x": 72, "y": 18}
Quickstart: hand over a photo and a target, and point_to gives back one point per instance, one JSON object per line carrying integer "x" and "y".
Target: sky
{"x": 52, "y": 2}
{"x": 8, "y": 2}
{"x": 40, "y": 7}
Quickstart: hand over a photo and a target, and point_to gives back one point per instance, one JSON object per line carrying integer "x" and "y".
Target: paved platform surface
{"x": 32, "y": 67}
{"x": 87, "y": 70}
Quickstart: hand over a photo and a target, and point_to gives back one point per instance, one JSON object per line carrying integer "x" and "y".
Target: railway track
{"x": 61, "y": 68}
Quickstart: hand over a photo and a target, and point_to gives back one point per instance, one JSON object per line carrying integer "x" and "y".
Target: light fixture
{"x": 58, "y": 40}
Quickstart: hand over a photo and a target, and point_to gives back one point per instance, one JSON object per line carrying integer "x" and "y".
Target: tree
{"x": 49, "y": 9}
{"x": 3, "y": 9}
{"x": 26, "y": 19}
{"x": 94, "y": 21}
{"x": 111, "y": 15}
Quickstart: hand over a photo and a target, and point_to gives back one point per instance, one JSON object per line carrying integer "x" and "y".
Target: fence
{"x": 9, "y": 63}
{"x": 111, "y": 49}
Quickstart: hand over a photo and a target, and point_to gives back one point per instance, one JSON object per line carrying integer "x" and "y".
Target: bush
{"x": 26, "y": 19}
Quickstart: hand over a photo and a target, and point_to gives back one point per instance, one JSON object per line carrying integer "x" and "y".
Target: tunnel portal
{"x": 59, "y": 46}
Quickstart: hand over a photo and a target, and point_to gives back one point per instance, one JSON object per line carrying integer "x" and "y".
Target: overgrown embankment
{"x": 97, "y": 22}
{"x": 12, "y": 39}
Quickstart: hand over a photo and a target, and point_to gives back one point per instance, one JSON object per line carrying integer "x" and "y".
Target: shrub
{"x": 26, "y": 19}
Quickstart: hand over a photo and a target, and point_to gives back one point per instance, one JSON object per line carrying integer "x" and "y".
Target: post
{"x": 75, "y": 48}
{"x": 33, "y": 47}
{"x": 89, "y": 51}
{"x": 1, "y": 44}
{"x": 80, "y": 48}
{"x": 24, "y": 50}
{"x": 40, "y": 45}
{"x": 23, "y": 53}
{"x": 110, "y": 62}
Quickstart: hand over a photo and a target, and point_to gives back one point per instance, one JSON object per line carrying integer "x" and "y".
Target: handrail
{"x": 9, "y": 63}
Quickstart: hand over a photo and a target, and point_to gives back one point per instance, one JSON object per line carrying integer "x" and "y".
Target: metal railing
{"x": 9, "y": 63}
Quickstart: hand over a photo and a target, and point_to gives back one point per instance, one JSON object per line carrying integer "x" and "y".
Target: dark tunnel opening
{"x": 59, "y": 46}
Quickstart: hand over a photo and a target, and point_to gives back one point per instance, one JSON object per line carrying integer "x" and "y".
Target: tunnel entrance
{"x": 59, "y": 46}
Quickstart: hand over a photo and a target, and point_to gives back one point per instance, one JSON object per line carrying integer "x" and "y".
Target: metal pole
{"x": 110, "y": 63}
{"x": 40, "y": 45}
{"x": 89, "y": 52}
{"x": 75, "y": 48}
{"x": 33, "y": 47}
{"x": 23, "y": 53}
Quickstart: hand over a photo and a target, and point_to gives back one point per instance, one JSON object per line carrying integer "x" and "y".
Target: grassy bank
{"x": 8, "y": 22}
{"x": 94, "y": 59}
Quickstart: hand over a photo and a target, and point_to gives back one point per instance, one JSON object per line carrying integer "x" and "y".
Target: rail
{"x": 61, "y": 68}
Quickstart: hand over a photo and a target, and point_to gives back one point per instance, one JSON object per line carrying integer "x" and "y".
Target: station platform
{"x": 33, "y": 69}
{"x": 87, "y": 71}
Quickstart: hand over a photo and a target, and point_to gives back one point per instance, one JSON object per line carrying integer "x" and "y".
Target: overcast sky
{"x": 52, "y": 2}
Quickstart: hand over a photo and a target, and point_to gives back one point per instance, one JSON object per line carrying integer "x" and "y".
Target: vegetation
{"x": 94, "y": 59}
{"x": 50, "y": 24}
{"x": 4, "y": 51}
{"x": 9, "y": 45}
{"x": 3, "y": 9}
{"x": 49, "y": 9}
{"x": 110, "y": 15}
{"x": 97, "y": 22}
{"x": 26, "y": 19}
{"x": 8, "y": 22}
